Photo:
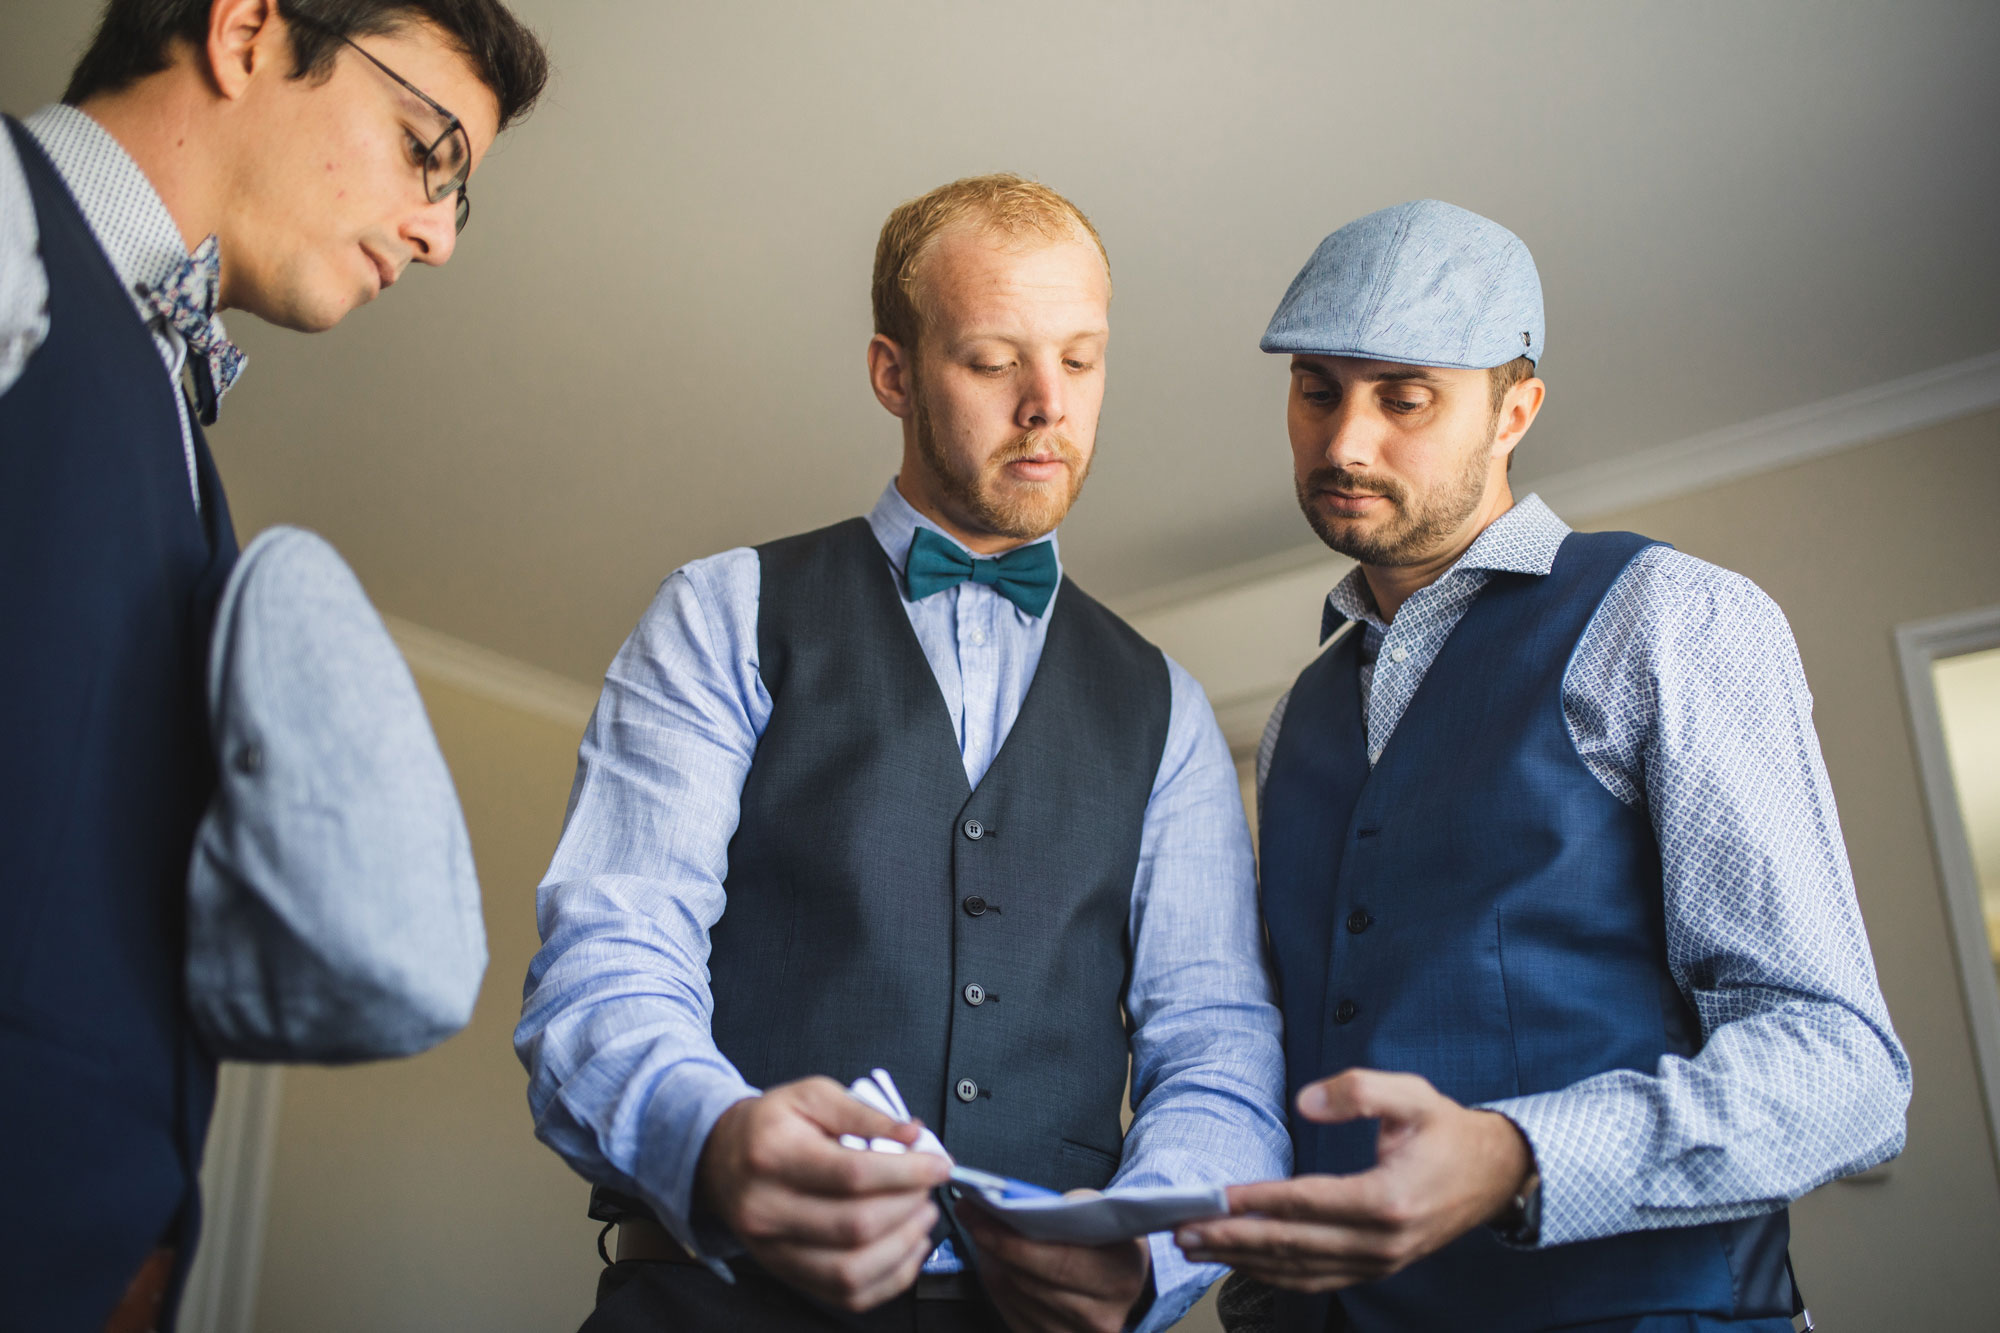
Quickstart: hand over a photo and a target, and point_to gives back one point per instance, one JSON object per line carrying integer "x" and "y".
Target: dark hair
{"x": 135, "y": 38}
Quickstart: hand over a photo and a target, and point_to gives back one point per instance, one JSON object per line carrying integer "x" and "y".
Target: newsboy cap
{"x": 333, "y": 912}
{"x": 1424, "y": 284}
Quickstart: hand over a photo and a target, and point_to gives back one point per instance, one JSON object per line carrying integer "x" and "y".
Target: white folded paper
{"x": 1040, "y": 1214}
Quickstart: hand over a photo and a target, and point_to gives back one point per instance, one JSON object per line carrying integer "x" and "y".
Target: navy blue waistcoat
{"x": 1479, "y": 910}
{"x": 108, "y": 578}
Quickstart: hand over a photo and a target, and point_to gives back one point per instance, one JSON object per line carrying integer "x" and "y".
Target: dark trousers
{"x": 642, "y": 1297}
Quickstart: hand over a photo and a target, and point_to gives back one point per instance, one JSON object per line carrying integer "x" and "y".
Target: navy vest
{"x": 108, "y": 578}
{"x": 1479, "y": 910}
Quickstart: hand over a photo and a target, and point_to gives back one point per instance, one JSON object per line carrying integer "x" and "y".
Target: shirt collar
{"x": 895, "y": 522}
{"x": 124, "y": 211}
{"x": 1524, "y": 540}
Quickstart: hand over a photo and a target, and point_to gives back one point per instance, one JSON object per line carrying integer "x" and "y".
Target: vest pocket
{"x": 1082, "y": 1167}
{"x": 1514, "y": 1003}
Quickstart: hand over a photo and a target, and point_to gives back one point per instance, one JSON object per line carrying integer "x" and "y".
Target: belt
{"x": 642, "y": 1240}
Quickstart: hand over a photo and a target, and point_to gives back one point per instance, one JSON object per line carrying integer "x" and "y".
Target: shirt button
{"x": 979, "y": 637}
{"x": 975, "y": 906}
{"x": 974, "y": 829}
{"x": 1358, "y": 921}
{"x": 966, "y": 1089}
{"x": 1345, "y": 1013}
{"x": 1399, "y": 653}
{"x": 975, "y": 994}
{"x": 250, "y": 759}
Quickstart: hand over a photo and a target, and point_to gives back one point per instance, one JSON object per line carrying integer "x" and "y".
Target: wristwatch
{"x": 1521, "y": 1222}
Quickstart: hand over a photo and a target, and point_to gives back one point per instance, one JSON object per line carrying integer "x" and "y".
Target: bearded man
{"x": 1546, "y": 833}
{"x": 919, "y": 803}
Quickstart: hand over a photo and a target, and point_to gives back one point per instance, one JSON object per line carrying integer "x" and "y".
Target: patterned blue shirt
{"x": 625, "y": 1078}
{"x": 1686, "y": 693}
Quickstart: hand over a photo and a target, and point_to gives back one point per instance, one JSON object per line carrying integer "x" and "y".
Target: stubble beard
{"x": 983, "y": 499}
{"x": 1419, "y": 524}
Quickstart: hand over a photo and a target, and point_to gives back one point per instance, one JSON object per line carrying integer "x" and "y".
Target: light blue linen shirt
{"x": 1686, "y": 693}
{"x": 625, "y": 1078}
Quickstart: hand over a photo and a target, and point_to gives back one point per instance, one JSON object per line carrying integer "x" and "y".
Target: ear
{"x": 892, "y": 374}
{"x": 1518, "y": 412}
{"x": 244, "y": 37}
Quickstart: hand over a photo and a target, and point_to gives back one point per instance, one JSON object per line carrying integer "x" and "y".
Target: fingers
{"x": 838, "y": 1112}
{"x": 858, "y": 1278}
{"x": 1089, "y": 1270}
{"x": 774, "y": 1214}
{"x": 1302, "y": 1256}
{"x": 1366, "y": 1094}
{"x": 817, "y": 1165}
{"x": 1041, "y": 1286}
{"x": 1347, "y": 1200}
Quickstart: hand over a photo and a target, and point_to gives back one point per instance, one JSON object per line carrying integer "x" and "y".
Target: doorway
{"x": 1951, "y": 677}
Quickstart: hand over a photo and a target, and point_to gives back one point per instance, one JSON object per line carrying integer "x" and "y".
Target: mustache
{"x": 1033, "y": 443}
{"x": 1354, "y": 483}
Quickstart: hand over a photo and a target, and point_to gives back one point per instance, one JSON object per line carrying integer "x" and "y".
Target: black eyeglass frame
{"x": 434, "y": 193}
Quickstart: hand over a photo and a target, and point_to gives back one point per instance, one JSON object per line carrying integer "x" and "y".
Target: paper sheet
{"x": 1040, "y": 1214}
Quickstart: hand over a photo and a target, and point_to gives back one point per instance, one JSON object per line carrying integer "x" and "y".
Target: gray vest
{"x": 881, "y": 912}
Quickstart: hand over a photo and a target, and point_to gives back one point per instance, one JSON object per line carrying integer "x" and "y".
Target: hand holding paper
{"x": 849, "y": 1228}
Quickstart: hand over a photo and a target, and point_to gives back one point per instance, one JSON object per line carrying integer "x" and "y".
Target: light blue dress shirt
{"x": 1686, "y": 693}
{"x": 625, "y": 1078}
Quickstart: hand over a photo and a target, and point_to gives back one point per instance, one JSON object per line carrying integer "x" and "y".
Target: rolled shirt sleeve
{"x": 1688, "y": 693}
{"x": 1207, "y": 1063}
{"x": 625, "y": 1078}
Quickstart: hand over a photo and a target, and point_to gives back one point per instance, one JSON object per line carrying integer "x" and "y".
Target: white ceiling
{"x": 650, "y": 344}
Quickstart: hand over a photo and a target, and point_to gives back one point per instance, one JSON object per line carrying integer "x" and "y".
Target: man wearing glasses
{"x": 290, "y": 158}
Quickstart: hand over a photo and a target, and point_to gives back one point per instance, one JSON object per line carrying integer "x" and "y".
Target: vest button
{"x": 974, "y": 829}
{"x": 975, "y": 906}
{"x": 966, "y": 1089}
{"x": 1358, "y": 921}
{"x": 975, "y": 994}
{"x": 1345, "y": 1013}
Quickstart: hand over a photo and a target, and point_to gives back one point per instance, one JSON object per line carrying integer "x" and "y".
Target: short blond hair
{"x": 1002, "y": 202}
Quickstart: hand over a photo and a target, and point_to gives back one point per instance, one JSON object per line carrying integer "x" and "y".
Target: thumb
{"x": 1366, "y": 1094}
{"x": 837, "y": 1111}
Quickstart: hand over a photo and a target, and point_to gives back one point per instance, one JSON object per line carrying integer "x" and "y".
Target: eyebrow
{"x": 1408, "y": 375}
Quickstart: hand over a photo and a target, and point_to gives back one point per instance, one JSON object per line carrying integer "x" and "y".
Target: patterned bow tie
{"x": 186, "y": 300}
{"x": 1026, "y": 576}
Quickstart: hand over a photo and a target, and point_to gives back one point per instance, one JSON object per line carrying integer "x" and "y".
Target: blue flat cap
{"x": 1424, "y": 284}
{"x": 333, "y": 911}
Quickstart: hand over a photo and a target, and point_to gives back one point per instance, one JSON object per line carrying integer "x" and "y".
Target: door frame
{"x": 1918, "y": 645}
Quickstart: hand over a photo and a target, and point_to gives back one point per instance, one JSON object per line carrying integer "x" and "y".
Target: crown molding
{"x": 1880, "y": 412}
{"x": 492, "y": 676}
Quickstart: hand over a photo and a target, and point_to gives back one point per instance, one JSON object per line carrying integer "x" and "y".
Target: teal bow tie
{"x": 1026, "y": 576}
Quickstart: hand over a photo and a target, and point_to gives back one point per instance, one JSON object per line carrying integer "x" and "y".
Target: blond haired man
{"x": 919, "y": 803}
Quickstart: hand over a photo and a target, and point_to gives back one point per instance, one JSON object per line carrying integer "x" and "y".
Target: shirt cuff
{"x": 1177, "y": 1283}
{"x": 1589, "y": 1189}
{"x": 678, "y": 1121}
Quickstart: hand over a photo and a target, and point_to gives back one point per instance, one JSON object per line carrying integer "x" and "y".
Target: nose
{"x": 1043, "y": 404}
{"x": 1354, "y": 436}
{"x": 432, "y": 231}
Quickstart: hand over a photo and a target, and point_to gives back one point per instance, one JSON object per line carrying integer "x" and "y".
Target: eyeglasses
{"x": 446, "y": 159}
